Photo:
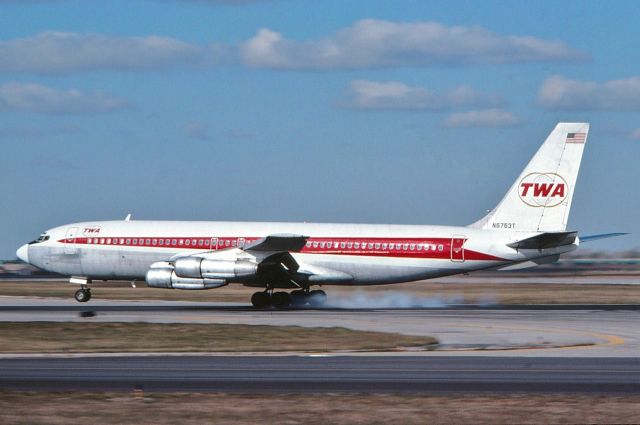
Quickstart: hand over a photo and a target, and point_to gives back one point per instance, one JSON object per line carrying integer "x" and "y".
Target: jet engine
{"x": 203, "y": 268}
{"x": 163, "y": 275}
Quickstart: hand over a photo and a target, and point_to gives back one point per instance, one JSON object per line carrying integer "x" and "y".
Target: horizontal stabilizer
{"x": 531, "y": 263}
{"x": 545, "y": 240}
{"x": 590, "y": 238}
{"x": 278, "y": 243}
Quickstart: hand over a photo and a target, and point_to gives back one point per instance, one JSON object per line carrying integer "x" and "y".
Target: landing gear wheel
{"x": 83, "y": 295}
{"x": 317, "y": 298}
{"x": 261, "y": 299}
{"x": 281, "y": 299}
{"x": 298, "y": 298}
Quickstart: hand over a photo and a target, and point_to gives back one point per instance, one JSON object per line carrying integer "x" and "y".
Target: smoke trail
{"x": 390, "y": 299}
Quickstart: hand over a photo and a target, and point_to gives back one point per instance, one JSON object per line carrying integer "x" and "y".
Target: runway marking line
{"x": 611, "y": 340}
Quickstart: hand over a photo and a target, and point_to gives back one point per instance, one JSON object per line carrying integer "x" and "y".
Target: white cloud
{"x": 363, "y": 94}
{"x": 29, "y": 97}
{"x": 483, "y": 118}
{"x": 62, "y": 52}
{"x": 373, "y": 43}
{"x": 560, "y": 93}
{"x": 197, "y": 130}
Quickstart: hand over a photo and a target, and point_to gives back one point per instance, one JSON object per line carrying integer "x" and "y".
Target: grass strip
{"x": 72, "y": 337}
{"x": 172, "y": 408}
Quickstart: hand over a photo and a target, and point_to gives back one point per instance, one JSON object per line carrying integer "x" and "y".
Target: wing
{"x": 278, "y": 242}
{"x": 267, "y": 260}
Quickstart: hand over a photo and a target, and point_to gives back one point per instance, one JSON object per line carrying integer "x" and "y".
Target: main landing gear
{"x": 83, "y": 294}
{"x": 297, "y": 298}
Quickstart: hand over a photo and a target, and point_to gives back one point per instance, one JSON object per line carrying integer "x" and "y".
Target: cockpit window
{"x": 42, "y": 238}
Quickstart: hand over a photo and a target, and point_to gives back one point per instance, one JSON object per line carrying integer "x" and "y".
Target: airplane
{"x": 287, "y": 260}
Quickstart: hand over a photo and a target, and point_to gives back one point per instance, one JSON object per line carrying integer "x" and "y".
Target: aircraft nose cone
{"x": 23, "y": 253}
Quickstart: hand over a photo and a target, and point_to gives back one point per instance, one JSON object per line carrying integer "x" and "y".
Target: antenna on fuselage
{"x": 128, "y": 217}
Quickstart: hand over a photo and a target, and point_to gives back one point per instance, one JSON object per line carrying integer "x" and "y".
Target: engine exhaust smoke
{"x": 391, "y": 299}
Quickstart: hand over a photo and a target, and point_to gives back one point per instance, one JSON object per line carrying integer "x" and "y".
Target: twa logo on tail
{"x": 543, "y": 189}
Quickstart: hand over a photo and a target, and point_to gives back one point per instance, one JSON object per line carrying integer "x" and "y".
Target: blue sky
{"x": 348, "y": 111}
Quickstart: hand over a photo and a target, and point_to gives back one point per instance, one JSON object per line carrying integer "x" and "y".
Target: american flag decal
{"x": 576, "y": 137}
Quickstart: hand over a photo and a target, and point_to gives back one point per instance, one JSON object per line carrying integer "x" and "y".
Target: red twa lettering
{"x": 543, "y": 189}
{"x": 526, "y": 187}
{"x": 559, "y": 191}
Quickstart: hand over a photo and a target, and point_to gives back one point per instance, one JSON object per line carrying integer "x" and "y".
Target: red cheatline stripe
{"x": 427, "y": 248}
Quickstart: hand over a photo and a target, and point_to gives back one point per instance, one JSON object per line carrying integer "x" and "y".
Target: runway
{"x": 483, "y": 349}
{"x": 305, "y": 374}
{"x": 523, "y": 331}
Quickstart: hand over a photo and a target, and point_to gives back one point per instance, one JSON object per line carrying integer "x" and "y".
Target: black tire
{"x": 82, "y": 295}
{"x": 317, "y": 298}
{"x": 281, "y": 300}
{"x": 261, "y": 300}
{"x": 298, "y": 298}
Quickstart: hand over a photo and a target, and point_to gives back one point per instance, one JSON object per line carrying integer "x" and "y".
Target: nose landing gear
{"x": 83, "y": 295}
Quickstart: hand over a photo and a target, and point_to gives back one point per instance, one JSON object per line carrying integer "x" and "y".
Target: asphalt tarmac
{"x": 313, "y": 374}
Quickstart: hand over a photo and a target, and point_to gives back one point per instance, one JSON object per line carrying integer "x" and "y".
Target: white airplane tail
{"x": 540, "y": 199}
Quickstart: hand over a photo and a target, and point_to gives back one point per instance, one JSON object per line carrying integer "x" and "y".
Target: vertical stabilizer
{"x": 540, "y": 199}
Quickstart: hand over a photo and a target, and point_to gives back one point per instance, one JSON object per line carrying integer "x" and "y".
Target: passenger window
{"x": 405, "y": 246}
{"x": 121, "y": 241}
{"x": 181, "y": 242}
{"x": 315, "y": 244}
{"x": 419, "y": 247}
{"x": 370, "y": 245}
{"x": 308, "y": 244}
{"x": 343, "y": 245}
{"x": 227, "y": 243}
{"x": 188, "y": 242}
{"x": 384, "y": 246}
{"x": 154, "y": 242}
{"x": 206, "y": 242}
{"x": 322, "y": 244}
{"x": 350, "y": 245}
{"x": 412, "y": 247}
{"x": 357, "y": 245}
{"x": 200, "y": 242}
{"x": 135, "y": 242}
{"x": 440, "y": 248}
{"x": 174, "y": 242}
{"x": 148, "y": 242}
{"x": 390, "y": 246}
{"x": 161, "y": 241}
{"x": 377, "y": 246}
{"x": 108, "y": 241}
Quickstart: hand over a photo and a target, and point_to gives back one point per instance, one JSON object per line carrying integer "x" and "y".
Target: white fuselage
{"x": 369, "y": 254}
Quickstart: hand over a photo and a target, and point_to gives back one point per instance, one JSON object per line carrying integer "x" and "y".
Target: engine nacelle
{"x": 162, "y": 275}
{"x": 203, "y": 268}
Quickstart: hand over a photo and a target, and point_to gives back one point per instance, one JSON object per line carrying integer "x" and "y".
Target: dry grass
{"x": 521, "y": 293}
{"x": 34, "y": 337}
{"x": 186, "y": 409}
